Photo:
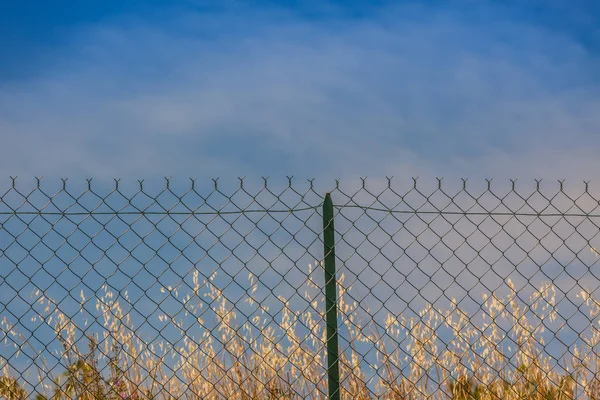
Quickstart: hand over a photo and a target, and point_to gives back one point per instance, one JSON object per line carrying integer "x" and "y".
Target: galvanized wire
{"x": 209, "y": 290}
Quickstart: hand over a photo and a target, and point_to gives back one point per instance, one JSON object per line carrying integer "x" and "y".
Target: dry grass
{"x": 282, "y": 354}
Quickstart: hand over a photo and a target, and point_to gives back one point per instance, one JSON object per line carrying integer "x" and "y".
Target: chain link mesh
{"x": 216, "y": 291}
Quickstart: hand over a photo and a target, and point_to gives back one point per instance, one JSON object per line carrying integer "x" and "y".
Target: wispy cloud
{"x": 248, "y": 92}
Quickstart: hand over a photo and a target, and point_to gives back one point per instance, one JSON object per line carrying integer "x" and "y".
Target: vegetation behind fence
{"x": 260, "y": 290}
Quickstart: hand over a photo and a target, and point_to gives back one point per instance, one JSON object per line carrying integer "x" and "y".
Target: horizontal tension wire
{"x": 339, "y": 207}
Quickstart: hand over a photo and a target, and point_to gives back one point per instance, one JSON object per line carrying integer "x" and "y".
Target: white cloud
{"x": 271, "y": 93}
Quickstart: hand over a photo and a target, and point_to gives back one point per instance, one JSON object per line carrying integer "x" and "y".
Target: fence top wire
{"x": 314, "y": 208}
{"x": 303, "y": 205}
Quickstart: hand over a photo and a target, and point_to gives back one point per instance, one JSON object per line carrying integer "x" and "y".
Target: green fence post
{"x": 333, "y": 370}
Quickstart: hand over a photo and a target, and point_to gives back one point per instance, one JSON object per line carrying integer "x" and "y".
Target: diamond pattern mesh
{"x": 213, "y": 290}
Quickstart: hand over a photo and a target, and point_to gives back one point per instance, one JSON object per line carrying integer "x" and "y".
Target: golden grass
{"x": 266, "y": 357}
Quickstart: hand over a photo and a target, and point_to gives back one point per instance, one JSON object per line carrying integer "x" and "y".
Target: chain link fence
{"x": 274, "y": 290}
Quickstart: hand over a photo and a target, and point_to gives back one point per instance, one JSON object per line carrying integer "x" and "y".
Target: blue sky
{"x": 310, "y": 88}
{"x": 144, "y": 89}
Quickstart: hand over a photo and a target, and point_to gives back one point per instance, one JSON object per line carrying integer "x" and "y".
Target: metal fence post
{"x": 333, "y": 371}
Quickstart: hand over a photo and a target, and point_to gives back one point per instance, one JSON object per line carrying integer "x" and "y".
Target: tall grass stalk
{"x": 279, "y": 353}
